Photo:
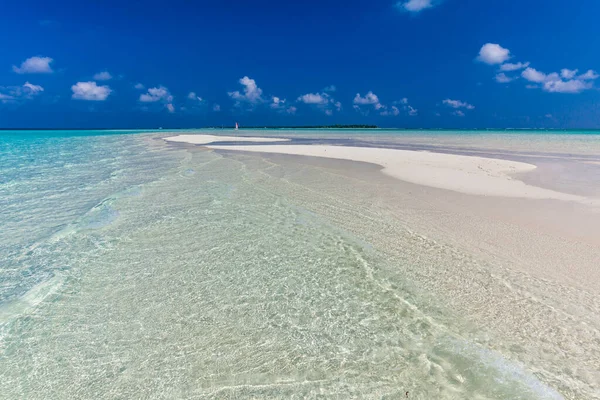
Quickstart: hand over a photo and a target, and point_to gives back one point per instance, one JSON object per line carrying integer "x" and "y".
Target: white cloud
{"x": 404, "y": 100}
{"x": 459, "y": 113}
{"x": 252, "y": 93}
{"x": 370, "y": 98}
{"x": 5, "y": 98}
{"x": 103, "y": 76}
{"x": 34, "y": 65}
{"x": 392, "y": 111}
{"x": 554, "y": 83}
{"x": 412, "y": 111}
{"x": 589, "y": 75}
{"x": 155, "y": 94}
{"x": 568, "y": 73}
{"x": 170, "y": 107}
{"x": 90, "y": 91}
{"x": 15, "y": 93}
{"x": 502, "y": 78}
{"x": 458, "y": 104}
{"x": 32, "y": 89}
{"x": 492, "y": 53}
{"x": 276, "y": 102}
{"x": 533, "y": 75}
{"x": 567, "y": 81}
{"x": 507, "y": 67}
{"x": 216, "y": 108}
{"x": 314, "y": 98}
{"x": 139, "y": 86}
{"x": 323, "y": 101}
{"x": 280, "y": 105}
{"x": 414, "y": 6}
{"x": 330, "y": 88}
{"x": 571, "y": 86}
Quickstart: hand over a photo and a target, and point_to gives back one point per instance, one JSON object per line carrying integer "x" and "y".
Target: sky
{"x": 392, "y": 63}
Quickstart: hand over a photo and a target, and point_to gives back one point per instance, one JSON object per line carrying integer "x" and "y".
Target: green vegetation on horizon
{"x": 336, "y": 126}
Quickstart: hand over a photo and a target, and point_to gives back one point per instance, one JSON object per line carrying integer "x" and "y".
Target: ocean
{"x": 134, "y": 268}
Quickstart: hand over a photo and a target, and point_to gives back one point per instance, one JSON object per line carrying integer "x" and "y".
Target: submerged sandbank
{"x": 465, "y": 174}
{"x": 206, "y": 139}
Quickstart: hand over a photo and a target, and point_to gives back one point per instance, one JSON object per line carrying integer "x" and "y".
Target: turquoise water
{"x": 135, "y": 269}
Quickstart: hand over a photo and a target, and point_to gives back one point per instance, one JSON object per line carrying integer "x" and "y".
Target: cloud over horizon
{"x": 252, "y": 93}
{"x": 90, "y": 91}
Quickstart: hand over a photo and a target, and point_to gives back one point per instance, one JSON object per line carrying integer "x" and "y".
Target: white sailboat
{"x": 236, "y": 126}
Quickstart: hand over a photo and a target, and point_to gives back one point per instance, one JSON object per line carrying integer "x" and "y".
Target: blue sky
{"x": 408, "y": 63}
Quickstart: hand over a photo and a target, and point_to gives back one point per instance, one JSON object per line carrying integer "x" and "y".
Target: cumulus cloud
{"x": 459, "y": 113}
{"x": 322, "y": 101}
{"x": 568, "y": 73}
{"x": 314, "y": 98}
{"x": 492, "y": 53}
{"x": 571, "y": 86}
{"x": 90, "y": 91}
{"x": 155, "y": 94}
{"x": 139, "y": 86}
{"x": 533, "y": 75}
{"x": 252, "y": 93}
{"x": 458, "y": 104}
{"x": 34, "y": 65}
{"x": 502, "y": 78}
{"x": 415, "y": 6}
{"x": 279, "y": 104}
{"x": 395, "y": 111}
{"x": 103, "y": 76}
{"x": 159, "y": 94}
{"x": 565, "y": 82}
{"x": 589, "y": 75}
{"x": 276, "y": 102}
{"x": 370, "y": 98}
{"x": 508, "y": 67}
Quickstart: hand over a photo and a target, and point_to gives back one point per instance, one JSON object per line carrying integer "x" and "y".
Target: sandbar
{"x": 206, "y": 139}
{"x": 466, "y": 174}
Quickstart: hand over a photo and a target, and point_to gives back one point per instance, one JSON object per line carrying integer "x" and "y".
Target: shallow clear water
{"x": 135, "y": 269}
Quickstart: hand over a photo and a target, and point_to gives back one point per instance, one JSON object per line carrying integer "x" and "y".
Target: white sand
{"x": 206, "y": 139}
{"x": 465, "y": 174}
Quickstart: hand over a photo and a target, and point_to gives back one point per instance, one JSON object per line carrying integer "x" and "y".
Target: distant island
{"x": 313, "y": 127}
